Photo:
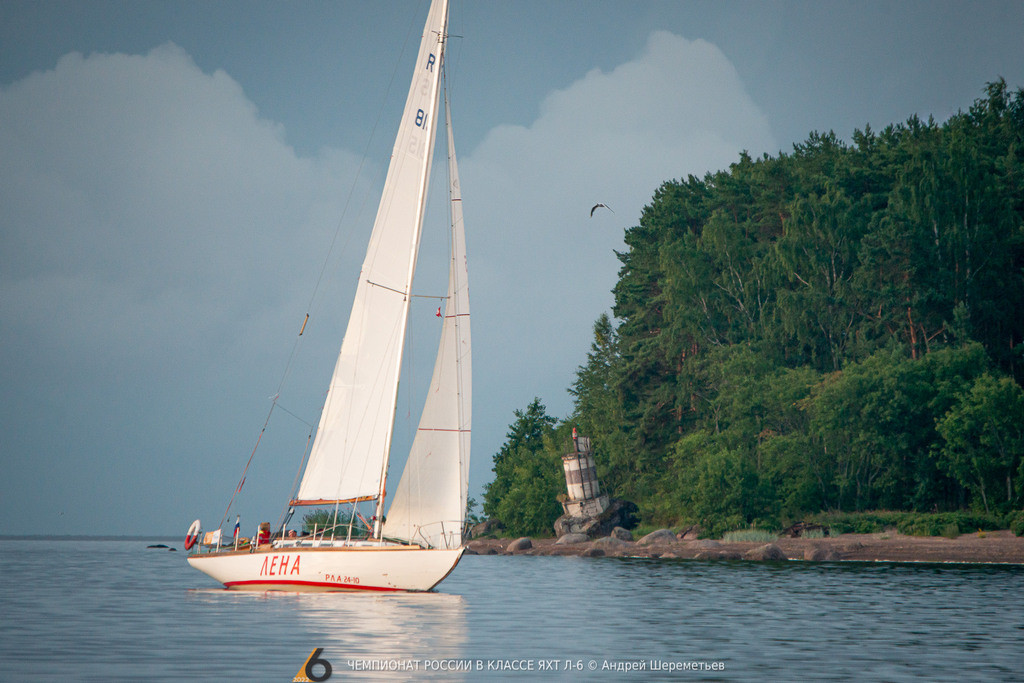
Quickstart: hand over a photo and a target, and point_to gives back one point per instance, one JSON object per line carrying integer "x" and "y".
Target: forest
{"x": 836, "y": 329}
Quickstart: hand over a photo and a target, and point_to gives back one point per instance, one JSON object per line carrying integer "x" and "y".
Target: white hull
{"x": 349, "y": 568}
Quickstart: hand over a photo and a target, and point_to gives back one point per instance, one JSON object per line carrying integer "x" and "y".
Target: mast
{"x": 429, "y": 504}
{"x": 349, "y": 458}
{"x": 421, "y": 201}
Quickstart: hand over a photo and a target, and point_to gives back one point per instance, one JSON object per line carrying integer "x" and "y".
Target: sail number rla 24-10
{"x": 421, "y": 116}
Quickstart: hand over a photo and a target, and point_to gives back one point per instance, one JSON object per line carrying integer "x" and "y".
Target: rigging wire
{"x": 323, "y": 269}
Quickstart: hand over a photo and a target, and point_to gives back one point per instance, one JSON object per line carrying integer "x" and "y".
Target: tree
{"x": 789, "y": 332}
{"x": 983, "y": 440}
{"x": 527, "y": 477}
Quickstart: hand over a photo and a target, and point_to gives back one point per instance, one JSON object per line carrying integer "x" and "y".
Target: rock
{"x": 704, "y": 544}
{"x": 622, "y": 534}
{"x": 519, "y": 545}
{"x": 488, "y": 526}
{"x": 714, "y": 554}
{"x": 690, "y": 533}
{"x": 769, "y": 551}
{"x": 470, "y": 551}
{"x": 819, "y": 554}
{"x": 592, "y": 552}
{"x": 659, "y": 536}
{"x": 610, "y": 542}
{"x": 573, "y": 538}
{"x": 620, "y": 513}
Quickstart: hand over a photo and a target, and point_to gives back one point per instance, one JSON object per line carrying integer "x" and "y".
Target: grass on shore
{"x": 749, "y": 535}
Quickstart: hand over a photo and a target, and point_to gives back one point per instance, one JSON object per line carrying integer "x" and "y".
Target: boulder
{"x": 610, "y": 543}
{"x": 481, "y": 548}
{"x": 769, "y": 551}
{"x": 620, "y": 513}
{"x": 519, "y": 545}
{"x": 488, "y": 526}
{"x": 713, "y": 554}
{"x": 622, "y": 534}
{"x": 573, "y": 538}
{"x": 659, "y": 536}
{"x": 820, "y": 554}
{"x": 592, "y": 552}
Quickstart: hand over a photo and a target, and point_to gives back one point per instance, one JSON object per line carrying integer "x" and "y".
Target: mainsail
{"x": 430, "y": 503}
{"x": 421, "y": 542}
{"x": 349, "y": 456}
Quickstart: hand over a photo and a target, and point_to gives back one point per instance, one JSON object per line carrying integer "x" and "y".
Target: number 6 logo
{"x": 306, "y": 672}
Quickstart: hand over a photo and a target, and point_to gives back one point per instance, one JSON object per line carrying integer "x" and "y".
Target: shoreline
{"x": 991, "y": 547}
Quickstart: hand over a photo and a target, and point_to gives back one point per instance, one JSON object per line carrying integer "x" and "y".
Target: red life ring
{"x": 192, "y": 535}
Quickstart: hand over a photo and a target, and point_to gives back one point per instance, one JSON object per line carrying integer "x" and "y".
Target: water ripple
{"x": 112, "y": 610}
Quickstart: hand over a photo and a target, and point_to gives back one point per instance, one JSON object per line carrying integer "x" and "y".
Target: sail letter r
{"x": 430, "y": 62}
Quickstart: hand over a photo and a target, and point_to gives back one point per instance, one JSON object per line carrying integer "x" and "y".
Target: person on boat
{"x": 291, "y": 533}
{"x": 264, "y": 536}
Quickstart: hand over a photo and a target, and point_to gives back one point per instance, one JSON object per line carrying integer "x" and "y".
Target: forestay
{"x": 349, "y": 456}
{"x": 430, "y": 503}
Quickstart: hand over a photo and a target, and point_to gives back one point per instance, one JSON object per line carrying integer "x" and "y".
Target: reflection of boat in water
{"x": 421, "y": 541}
{"x": 369, "y": 626}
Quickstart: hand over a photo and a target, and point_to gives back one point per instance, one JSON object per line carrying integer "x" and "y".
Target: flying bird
{"x": 598, "y": 206}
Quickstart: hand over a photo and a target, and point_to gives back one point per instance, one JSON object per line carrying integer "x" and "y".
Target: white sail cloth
{"x": 430, "y": 502}
{"x": 349, "y": 455}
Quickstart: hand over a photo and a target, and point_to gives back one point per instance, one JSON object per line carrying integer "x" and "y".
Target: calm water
{"x": 113, "y": 610}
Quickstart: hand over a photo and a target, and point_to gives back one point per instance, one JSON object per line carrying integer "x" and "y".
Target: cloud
{"x": 545, "y": 265}
{"x": 143, "y": 191}
{"x": 157, "y": 231}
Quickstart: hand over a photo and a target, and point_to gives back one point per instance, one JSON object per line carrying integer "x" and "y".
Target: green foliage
{"x": 471, "y": 516}
{"x": 834, "y": 330}
{"x": 1016, "y": 522}
{"x": 948, "y": 524}
{"x": 749, "y": 535}
{"x": 327, "y": 519}
{"x": 527, "y": 475}
{"x": 983, "y": 437}
{"x": 951, "y": 530}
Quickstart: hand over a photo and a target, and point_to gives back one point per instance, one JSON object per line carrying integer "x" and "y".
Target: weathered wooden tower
{"x": 585, "y": 497}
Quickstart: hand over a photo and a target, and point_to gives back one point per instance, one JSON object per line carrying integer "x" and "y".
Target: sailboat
{"x": 420, "y": 540}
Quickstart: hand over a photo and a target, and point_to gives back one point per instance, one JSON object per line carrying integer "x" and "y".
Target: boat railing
{"x": 449, "y": 538}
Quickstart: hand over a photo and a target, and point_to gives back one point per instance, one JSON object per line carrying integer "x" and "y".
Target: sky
{"x": 182, "y": 181}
